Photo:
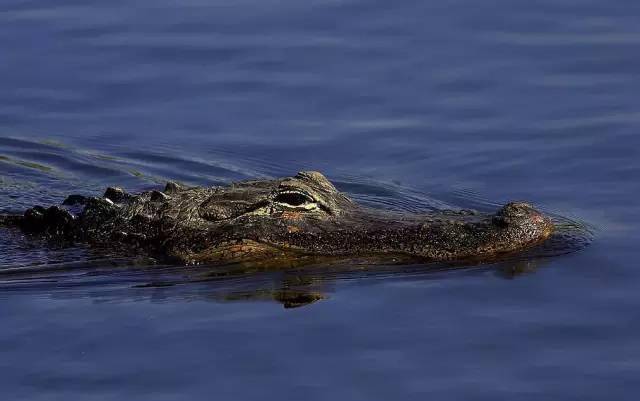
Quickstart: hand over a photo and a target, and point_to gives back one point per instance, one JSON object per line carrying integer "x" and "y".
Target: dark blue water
{"x": 401, "y": 104}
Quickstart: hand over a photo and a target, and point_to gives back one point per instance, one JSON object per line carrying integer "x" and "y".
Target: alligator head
{"x": 286, "y": 219}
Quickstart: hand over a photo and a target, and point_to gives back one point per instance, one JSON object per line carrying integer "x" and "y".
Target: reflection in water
{"x": 288, "y": 298}
{"x": 290, "y": 288}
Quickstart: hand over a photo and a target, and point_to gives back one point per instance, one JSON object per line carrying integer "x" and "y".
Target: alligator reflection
{"x": 292, "y": 288}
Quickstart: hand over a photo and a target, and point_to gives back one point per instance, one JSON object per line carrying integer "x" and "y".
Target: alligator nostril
{"x": 537, "y": 219}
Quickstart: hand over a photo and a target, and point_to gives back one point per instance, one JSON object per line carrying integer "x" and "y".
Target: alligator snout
{"x": 521, "y": 223}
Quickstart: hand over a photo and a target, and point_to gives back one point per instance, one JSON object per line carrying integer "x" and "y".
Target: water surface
{"x": 406, "y": 105}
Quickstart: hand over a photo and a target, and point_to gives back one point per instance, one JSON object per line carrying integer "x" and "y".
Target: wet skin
{"x": 280, "y": 221}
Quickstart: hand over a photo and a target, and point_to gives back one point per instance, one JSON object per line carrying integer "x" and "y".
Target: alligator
{"x": 287, "y": 219}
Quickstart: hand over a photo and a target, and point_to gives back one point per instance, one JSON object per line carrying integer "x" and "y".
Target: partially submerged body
{"x": 280, "y": 220}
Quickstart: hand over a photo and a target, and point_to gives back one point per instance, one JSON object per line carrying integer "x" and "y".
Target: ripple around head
{"x": 192, "y": 170}
{"x": 570, "y": 235}
{"x": 35, "y": 265}
{"x": 10, "y": 142}
{"x": 388, "y": 195}
{"x": 78, "y": 169}
{"x": 57, "y": 158}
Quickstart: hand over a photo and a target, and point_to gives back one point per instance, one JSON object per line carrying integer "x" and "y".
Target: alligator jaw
{"x": 379, "y": 236}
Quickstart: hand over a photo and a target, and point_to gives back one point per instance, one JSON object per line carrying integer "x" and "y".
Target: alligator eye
{"x": 294, "y": 199}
